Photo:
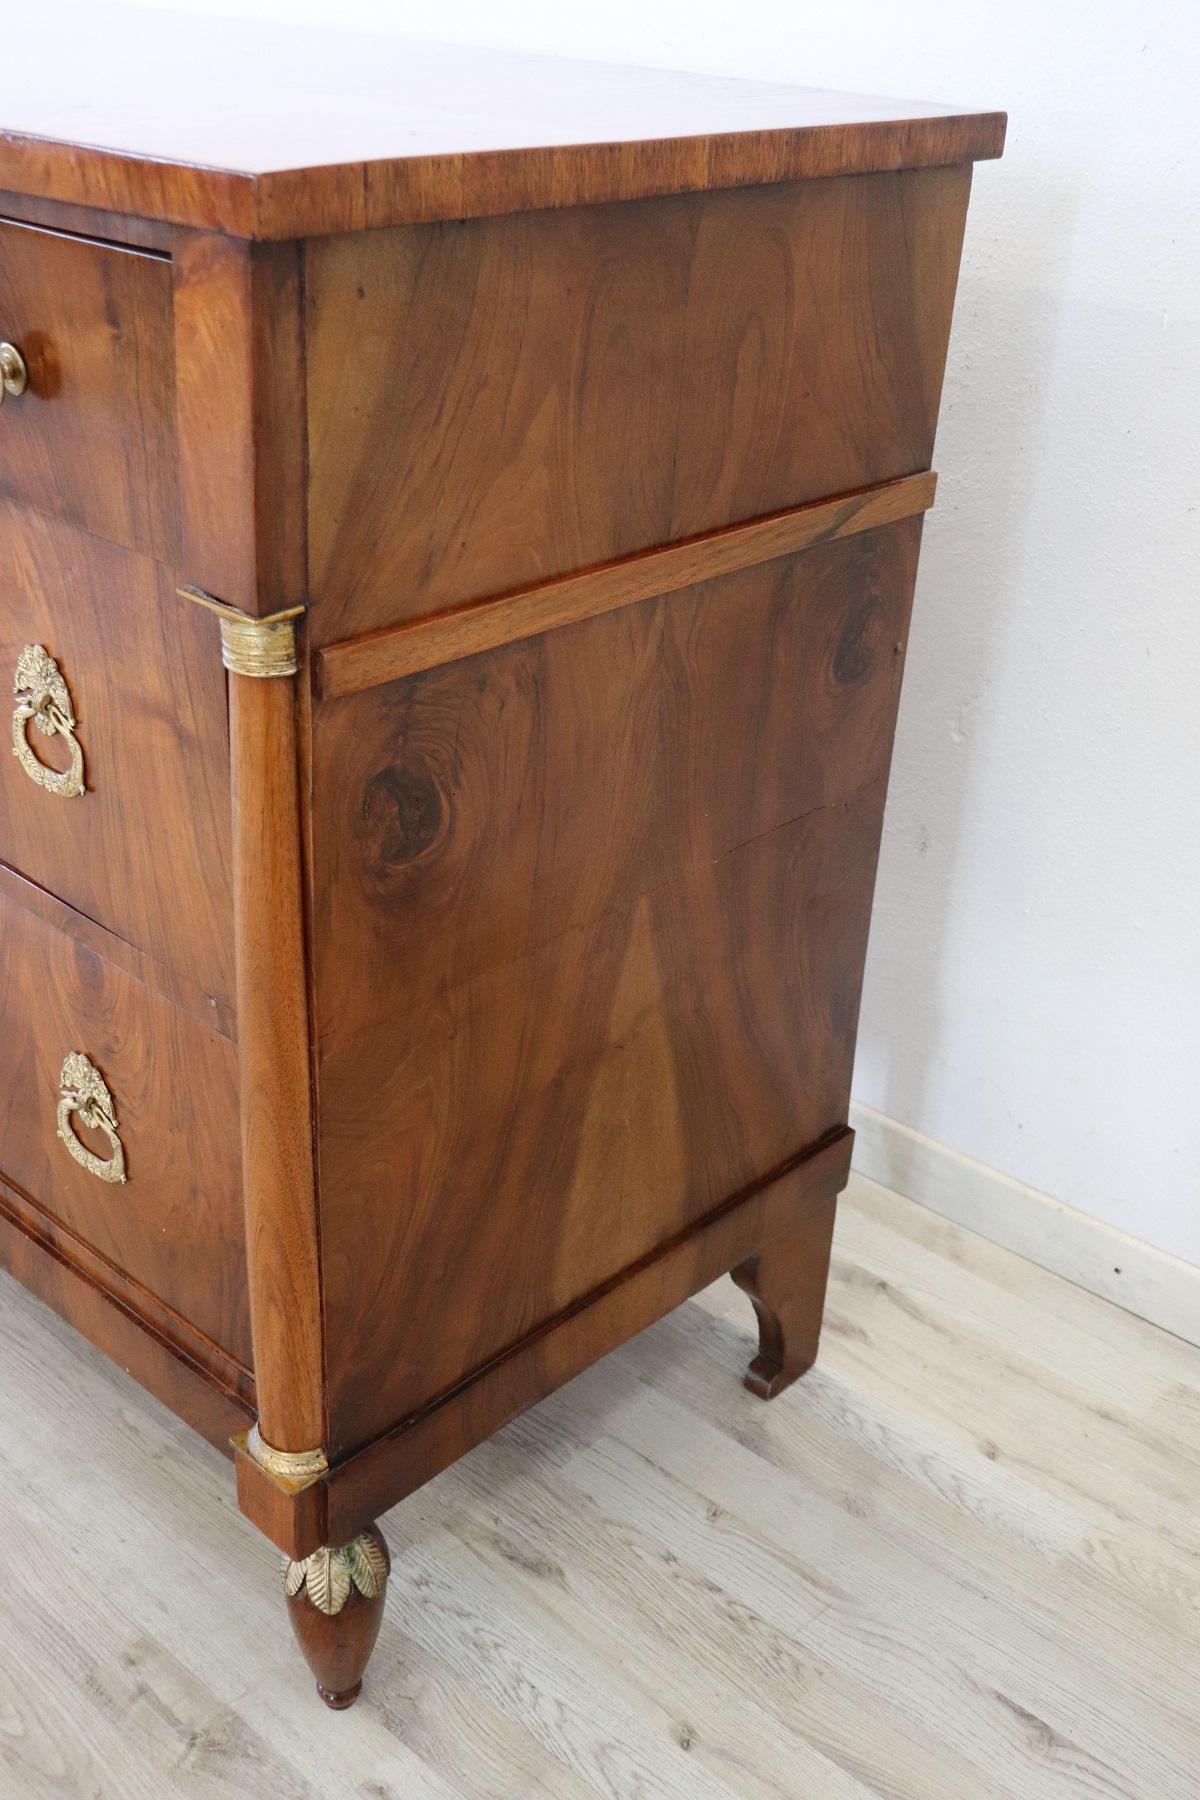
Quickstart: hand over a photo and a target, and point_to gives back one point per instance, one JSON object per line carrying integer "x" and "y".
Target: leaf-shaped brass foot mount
{"x": 335, "y": 1602}
{"x": 330, "y": 1576}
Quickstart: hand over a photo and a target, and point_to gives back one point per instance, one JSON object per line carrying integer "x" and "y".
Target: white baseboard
{"x": 1093, "y": 1255}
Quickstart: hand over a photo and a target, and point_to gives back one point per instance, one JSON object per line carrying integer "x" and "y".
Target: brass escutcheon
{"x": 44, "y": 700}
{"x": 82, "y": 1090}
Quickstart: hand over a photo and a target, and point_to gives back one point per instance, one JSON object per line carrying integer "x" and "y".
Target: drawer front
{"x": 144, "y": 848}
{"x": 174, "y": 1223}
{"x": 92, "y": 437}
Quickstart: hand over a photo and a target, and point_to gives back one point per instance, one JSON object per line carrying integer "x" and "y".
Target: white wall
{"x": 1033, "y": 995}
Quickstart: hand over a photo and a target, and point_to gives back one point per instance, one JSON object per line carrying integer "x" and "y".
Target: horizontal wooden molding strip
{"x": 400, "y": 650}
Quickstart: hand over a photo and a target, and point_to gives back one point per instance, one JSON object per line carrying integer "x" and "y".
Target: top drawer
{"x": 92, "y": 437}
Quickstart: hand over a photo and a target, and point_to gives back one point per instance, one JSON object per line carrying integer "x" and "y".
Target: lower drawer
{"x": 118, "y": 1118}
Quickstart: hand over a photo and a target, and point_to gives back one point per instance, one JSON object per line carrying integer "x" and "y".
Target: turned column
{"x": 335, "y": 1595}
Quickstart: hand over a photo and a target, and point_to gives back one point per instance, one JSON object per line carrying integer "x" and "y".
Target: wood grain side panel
{"x": 145, "y": 851}
{"x": 176, "y": 1224}
{"x": 589, "y": 924}
{"x": 92, "y": 438}
{"x": 494, "y": 403}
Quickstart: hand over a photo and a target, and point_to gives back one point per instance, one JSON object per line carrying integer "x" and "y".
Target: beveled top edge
{"x": 324, "y": 201}
{"x": 274, "y": 132}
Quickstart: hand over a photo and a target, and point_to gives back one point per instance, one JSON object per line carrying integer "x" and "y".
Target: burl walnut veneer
{"x": 504, "y": 478}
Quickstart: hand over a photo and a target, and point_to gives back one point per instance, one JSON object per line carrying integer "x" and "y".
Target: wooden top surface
{"x": 269, "y": 131}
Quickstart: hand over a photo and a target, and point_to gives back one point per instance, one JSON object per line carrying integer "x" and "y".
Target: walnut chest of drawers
{"x": 457, "y": 544}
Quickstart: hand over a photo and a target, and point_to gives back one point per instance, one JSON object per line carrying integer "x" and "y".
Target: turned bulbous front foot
{"x": 786, "y": 1284}
{"x": 335, "y": 1603}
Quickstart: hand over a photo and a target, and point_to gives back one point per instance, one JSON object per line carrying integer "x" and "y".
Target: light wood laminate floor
{"x": 959, "y": 1561}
